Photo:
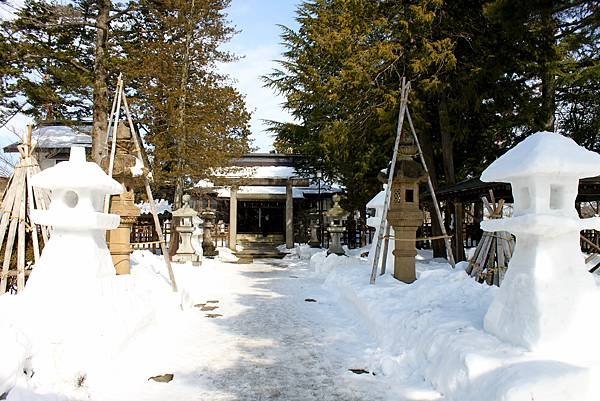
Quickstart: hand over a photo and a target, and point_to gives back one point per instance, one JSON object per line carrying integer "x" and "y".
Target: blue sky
{"x": 258, "y": 44}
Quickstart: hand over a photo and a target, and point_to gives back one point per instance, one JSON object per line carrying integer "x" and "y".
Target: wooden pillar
{"x": 459, "y": 240}
{"x": 233, "y": 218}
{"x": 289, "y": 216}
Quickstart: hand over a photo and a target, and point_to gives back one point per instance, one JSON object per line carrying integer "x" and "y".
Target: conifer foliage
{"x": 485, "y": 74}
{"x": 62, "y": 60}
{"x": 195, "y": 119}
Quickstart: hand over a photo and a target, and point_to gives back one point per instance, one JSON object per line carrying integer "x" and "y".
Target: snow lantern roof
{"x": 544, "y": 153}
{"x": 77, "y": 173}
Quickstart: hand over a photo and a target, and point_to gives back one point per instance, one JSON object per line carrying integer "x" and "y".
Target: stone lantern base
{"x": 336, "y": 240}
{"x": 119, "y": 238}
{"x": 208, "y": 246}
{"x": 405, "y": 223}
{"x": 314, "y": 236}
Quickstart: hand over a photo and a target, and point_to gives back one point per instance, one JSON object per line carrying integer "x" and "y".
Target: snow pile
{"x": 162, "y": 205}
{"x": 75, "y": 315}
{"x": 226, "y": 255}
{"x": 433, "y": 329}
{"x": 16, "y": 347}
{"x": 46, "y": 358}
{"x": 302, "y": 251}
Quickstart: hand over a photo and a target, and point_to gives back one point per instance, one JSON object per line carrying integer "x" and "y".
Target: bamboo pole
{"x": 42, "y": 200}
{"x": 431, "y": 190}
{"x": 34, "y": 233}
{"x": 161, "y": 237}
{"x": 404, "y": 89}
{"x": 21, "y": 243}
{"x": 30, "y": 197}
{"x": 385, "y": 248}
{"x": 115, "y": 129}
{"x": 8, "y": 204}
{"x": 12, "y": 230}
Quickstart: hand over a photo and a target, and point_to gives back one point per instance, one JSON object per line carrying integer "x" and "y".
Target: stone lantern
{"x": 124, "y": 203}
{"x": 337, "y": 217}
{"x": 208, "y": 246}
{"x": 547, "y": 300}
{"x": 403, "y": 211}
{"x": 76, "y": 255}
{"x": 314, "y": 231}
{"x": 185, "y": 251}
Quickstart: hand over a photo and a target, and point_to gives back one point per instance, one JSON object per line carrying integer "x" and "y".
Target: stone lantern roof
{"x": 544, "y": 153}
{"x": 77, "y": 173}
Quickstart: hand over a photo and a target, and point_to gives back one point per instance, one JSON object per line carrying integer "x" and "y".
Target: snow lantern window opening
{"x": 404, "y": 214}
{"x": 70, "y": 199}
{"x": 547, "y": 258}
{"x": 522, "y": 198}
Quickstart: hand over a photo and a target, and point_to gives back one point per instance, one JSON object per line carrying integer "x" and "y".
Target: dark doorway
{"x": 261, "y": 217}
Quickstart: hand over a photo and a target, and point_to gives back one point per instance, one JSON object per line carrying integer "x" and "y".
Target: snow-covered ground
{"x": 252, "y": 332}
{"x": 267, "y": 342}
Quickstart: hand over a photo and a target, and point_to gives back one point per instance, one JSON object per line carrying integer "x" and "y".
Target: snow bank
{"x": 302, "y": 251}
{"x": 226, "y": 255}
{"x": 44, "y": 359}
{"x": 16, "y": 346}
{"x": 434, "y": 328}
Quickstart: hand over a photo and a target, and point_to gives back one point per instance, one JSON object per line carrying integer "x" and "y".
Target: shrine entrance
{"x": 261, "y": 217}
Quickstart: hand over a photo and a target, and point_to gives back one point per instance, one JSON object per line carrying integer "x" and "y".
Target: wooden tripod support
{"x": 19, "y": 199}
{"x": 119, "y": 99}
{"x": 384, "y": 226}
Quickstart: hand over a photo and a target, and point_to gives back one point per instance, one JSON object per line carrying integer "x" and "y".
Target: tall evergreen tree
{"x": 60, "y": 61}
{"x": 49, "y": 59}
{"x": 195, "y": 119}
{"x": 341, "y": 80}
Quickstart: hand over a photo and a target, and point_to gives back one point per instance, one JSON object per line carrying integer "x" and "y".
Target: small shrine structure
{"x": 547, "y": 300}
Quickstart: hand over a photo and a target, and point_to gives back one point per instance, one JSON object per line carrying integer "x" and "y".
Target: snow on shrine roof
{"x": 259, "y": 190}
{"x": 58, "y": 137}
{"x": 257, "y": 172}
{"x": 297, "y": 192}
{"x": 544, "y": 153}
{"x": 77, "y": 173}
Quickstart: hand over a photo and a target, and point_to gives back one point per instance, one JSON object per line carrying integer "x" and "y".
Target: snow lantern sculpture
{"x": 547, "y": 299}
{"x": 76, "y": 255}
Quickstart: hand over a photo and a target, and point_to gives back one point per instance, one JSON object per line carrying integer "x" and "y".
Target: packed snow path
{"x": 264, "y": 341}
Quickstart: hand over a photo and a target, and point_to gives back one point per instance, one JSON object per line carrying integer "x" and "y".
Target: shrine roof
{"x": 58, "y": 137}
